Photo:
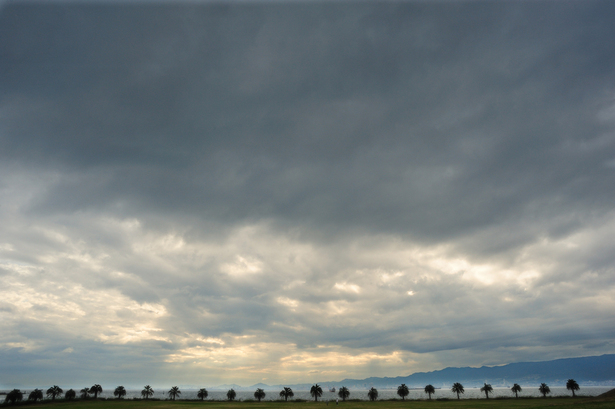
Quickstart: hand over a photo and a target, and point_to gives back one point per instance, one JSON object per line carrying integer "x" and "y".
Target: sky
{"x": 201, "y": 193}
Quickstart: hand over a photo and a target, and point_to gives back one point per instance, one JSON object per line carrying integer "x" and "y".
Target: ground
{"x": 604, "y": 401}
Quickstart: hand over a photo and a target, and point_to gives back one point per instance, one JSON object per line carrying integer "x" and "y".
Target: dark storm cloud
{"x": 461, "y": 116}
{"x": 297, "y": 180}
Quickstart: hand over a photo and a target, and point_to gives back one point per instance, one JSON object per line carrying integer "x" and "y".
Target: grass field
{"x": 578, "y": 403}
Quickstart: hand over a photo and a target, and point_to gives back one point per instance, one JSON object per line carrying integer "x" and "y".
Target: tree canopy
{"x": 120, "y": 392}
{"x": 544, "y": 389}
{"x": 202, "y": 394}
{"x": 372, "y": 394}
{"x": 147, "y": 391}
{"x": 486, "y": 388}
{"x": 230, "y": 395}
{"x": 316, "y": 391}
{"x": 96, "y": 389}
{"x": 14, "y": 396}
{"x": 573, "y": 386}
{"x": 429, "y": 389}
{"x": 54, "y": 391}
{"x": 516, "y": 389}
{"x": 70, "y": 394}
{"x": 35, "y": 395}
{"x": 457, "y": 388}
{"x": 259, "y": 394}
{"x": 174, "y": 392}
{"x": 286, "y": 393}
{"x": 343, "y": 393}
{"x": 403, "y": 391}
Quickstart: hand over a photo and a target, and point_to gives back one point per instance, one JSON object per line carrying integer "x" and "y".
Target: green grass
{"x": 578, "y": 403}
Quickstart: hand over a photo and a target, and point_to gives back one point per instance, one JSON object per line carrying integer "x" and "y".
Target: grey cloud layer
{"x": 380, "y": 177}
{"x": 318, "y": 112}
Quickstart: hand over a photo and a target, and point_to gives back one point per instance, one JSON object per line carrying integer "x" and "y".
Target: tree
{"x": 84, "y": 393}
{"x": 286, "y": 393}
{"x": 202, "y": 394}
{"x": 544, "y": 389}
{"x": 96, "y": 389}
{"x": 429, "y": 389}
{"x": 230, "y": 395}
{"x": 54, "y": 391}
{"x": 516, "y": 389}
{"x": 14, "y": 396}
{"x": 35, "y": 395}
{"x": 487, "y": 388}
{"x": 572, "y": 385}
{"x": 174, "y": 392}
{"x": 147, "y": 392}
{"x": 259, "y": 394}
{"x": 343, "y": 393}
{"x": 70, "y": 394}
{"x": 316, "y": 391}
{"x": 372, "y": 394}
{"x": 120, "y": 392}
{"x": 403, "y": 391}
{"x": 457, "y": 388}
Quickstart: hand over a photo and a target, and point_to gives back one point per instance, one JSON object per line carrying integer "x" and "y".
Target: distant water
{"x": 383, "y": 394}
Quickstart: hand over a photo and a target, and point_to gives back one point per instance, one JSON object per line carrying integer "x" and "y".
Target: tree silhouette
{"x": 174, "y": 392}
{"x": 457, "y": 388}
{"x": 120, "y": 392}
{"x": 429, "y": 389}
{"x": 230, "y": 395}
{"x": 372, "y": 394}
{"x": 70, "y": 394}
{"x": 259, "y": 394}
{"x": 147, "y": 392}
{"x": 35, "y": 395}
{"x": 286, "y": 393}
{"x": 487, "y": 388}
{"x": 84, "y": 393}
{"x": 54, "y": 391}
{"x": 14, "y": 396}
{"x": 403, "y": 391}
{"x": 343, "y": 393}
{"x": 202, "y": 394}
{"x": 316, "y": 391}
{"x": 96, "y": 389}
{"x": 544, "y": 389}
{"x": 572, "y": 385}
{"x": 516, "y": 389}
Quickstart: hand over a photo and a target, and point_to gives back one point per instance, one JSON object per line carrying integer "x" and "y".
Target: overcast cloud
{"x": 295, "y": 192}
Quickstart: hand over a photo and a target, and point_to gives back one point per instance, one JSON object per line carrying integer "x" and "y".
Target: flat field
{"x": 524, "y": 403}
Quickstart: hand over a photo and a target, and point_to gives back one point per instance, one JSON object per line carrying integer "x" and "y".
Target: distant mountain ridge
{"x": 594, "y": 370}
{"x": 591, "y": 370}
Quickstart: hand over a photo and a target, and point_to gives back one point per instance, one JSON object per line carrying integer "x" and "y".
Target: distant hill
{"x": 226, "y": 387}
{"x": 591, "y": 370}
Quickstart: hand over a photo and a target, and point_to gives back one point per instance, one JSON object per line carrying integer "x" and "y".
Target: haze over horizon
{"x": 289, "y": 192}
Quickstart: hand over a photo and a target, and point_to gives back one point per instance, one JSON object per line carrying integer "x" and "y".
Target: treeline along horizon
{"x": 316, "y": 392}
